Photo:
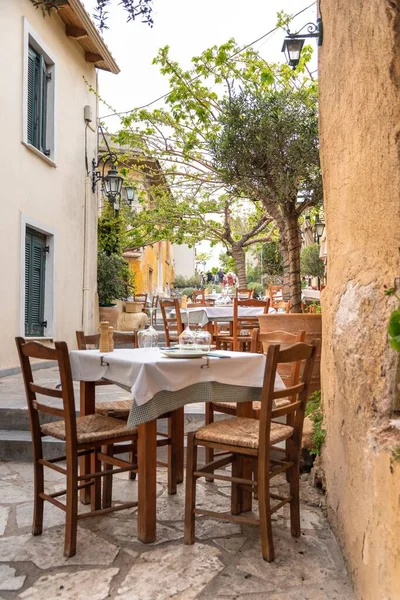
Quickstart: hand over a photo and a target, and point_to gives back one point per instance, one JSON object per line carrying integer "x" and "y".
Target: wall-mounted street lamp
{"x": 319, "y": 229}
{"x": 130, "y": 194}
{"x": 294, "y": 42}
{"x": 112, "y": 182}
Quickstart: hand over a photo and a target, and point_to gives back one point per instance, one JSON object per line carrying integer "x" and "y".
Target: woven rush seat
{"x": 90, "y": 429}
{"x": 242, "y": 432}
{"x": 278, "y": 403}
{"x": 119, "y": 409}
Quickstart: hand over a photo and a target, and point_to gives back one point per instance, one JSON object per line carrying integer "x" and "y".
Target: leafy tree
{"x": 135, "y": 9}
{"x": 113, "y": 229}
{"x": 268, "y": 148}
{"x": 114, "y": 279}
{"x": 184, "y": 139}
{"x": 310, "y": 262}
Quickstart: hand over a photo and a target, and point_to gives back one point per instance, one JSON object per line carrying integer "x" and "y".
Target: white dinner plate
{"x": 183, "y": 353}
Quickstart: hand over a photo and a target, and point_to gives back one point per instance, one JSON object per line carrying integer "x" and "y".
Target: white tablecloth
{"x": 147, "y": 372}
{"x": 206, "y": 314}
{"x": 160, "y": 384}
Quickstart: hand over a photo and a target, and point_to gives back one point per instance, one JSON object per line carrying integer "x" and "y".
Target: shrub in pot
{"x": 113, "y": 282}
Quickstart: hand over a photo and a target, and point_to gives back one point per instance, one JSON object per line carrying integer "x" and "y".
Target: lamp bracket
{"x": 315, "y": 30}
{"x": 98, "y": 175}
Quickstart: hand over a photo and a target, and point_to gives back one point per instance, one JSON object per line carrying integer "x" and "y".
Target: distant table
{"x": 311, "y": 295}
{"x": 207, "y": 314}
{"x": 160, "y": 384}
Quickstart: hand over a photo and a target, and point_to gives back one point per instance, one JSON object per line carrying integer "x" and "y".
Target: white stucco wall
{"x": 51, "y": 197}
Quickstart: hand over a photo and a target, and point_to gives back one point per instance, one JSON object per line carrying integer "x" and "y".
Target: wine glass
{"x": 148, "y": 337}
{"x": 187, "y": 338}
{"x": 202, "y": 340}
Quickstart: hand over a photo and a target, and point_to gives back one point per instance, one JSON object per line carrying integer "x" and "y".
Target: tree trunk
{"x": 283, "y": 246}
{"x": 239, "y": 258}
{"x": 293, "y": 244}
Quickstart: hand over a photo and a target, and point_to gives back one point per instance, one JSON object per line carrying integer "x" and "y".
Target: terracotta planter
{"x": 294, "y": 322}
{"x": 110, "y": 314}
{"x": 133, "y": 307}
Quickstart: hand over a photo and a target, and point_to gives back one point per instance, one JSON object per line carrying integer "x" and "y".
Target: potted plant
{"x": 113, "y": 281}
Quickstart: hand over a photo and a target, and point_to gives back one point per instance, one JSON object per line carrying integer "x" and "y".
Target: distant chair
{"x": 281, "y": 306}
{"x": 142, "y": 297}
{"x": 240, "y": 339}
{"x": 154, "y": 305}
{"x": 244, "y": 293}
{"x": 172, "y": 324}
{"x": 198, "y": 297}
{"x": 275, "y": 294}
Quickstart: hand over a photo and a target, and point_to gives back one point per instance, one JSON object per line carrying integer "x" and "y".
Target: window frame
{"x": 49, "y": 283}
{"x": 47, "y": 59}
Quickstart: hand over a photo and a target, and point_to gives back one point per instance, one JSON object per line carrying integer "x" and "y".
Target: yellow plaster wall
{"x": 149, "y": 259}
{"x": 360, "y": 130}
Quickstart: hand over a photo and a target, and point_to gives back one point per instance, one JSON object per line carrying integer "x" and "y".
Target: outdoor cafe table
{"x": 207, "y": 314}
{"x": 161, "y": 384}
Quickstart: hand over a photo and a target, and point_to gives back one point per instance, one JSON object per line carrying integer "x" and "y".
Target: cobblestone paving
{"x": 224, "y": 563}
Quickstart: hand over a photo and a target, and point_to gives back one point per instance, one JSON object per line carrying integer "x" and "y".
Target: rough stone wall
{"x": 360, "y": 153}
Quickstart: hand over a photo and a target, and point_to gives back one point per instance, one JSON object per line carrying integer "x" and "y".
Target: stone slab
{"x": 82, "y": 585}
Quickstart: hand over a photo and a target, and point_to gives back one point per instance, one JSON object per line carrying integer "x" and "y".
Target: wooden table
{"x": 252, "y": 365}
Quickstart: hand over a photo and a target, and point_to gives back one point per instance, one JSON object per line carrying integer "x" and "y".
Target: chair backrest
{"x": 298, "y": 393}
{"x": 244, "y": 293}
{"x": 142, "y": 297}
{"x": 84, "y": 342}
{"x": 198, "y": 297}
{"x": 154, "y": 301}
{"x": 246, "y": 322}
{"x": 260, "y": 342}
{"x": 171, "y": 323}
{"x": 294, "y": 322}
{"x": 275, "y": 292}
{"x": 35, "y": 350}
{"x": 196, "y": 305}
{"x": 281, "y": 306}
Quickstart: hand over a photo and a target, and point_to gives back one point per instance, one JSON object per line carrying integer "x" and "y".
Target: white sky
{"x": 188, "y": 27}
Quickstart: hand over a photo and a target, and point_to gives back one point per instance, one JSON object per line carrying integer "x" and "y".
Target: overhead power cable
{"x": 125, "y": 112}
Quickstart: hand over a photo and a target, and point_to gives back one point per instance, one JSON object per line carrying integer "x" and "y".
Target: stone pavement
{"x": 111, "y": 564}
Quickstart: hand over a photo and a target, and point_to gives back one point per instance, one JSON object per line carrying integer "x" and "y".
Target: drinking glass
{"x": 202, "y": 340}
{"x": 186, "y": 339}
{"x": 148, "y": 337}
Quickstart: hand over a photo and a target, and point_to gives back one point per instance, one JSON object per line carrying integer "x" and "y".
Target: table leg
{"x": 87, "y": 406}
{"x": 179, "y": 419}
{"x": 245, "y": 466}
{"x": 147, "y": 459}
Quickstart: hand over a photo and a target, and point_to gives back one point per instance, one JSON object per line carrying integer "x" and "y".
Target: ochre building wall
{"x": 158, "y": 258}
{"x": 360, "y": 136}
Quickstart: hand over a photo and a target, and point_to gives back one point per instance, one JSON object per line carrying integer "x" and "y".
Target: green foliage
{"x": 182, "y": 282}
{"x": 114, "y": 279}
{"x": 227, "y": 262}
{"x": 396, "y": 454}
{"x": 315, "y": 414}
{"x": 310, "y": 262}
{"x": 113, "y": 234}
{"x": 257, "y": 287}
{"x": 394, "y": 322}
{"x": 187, "y": 291}
{"x": 272, "y": 259}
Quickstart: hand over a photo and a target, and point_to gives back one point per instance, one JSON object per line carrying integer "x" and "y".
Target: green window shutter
{"x": 32, "y": 95}
{"x": 38, "y": 79}
{"x": 35, "y": 256}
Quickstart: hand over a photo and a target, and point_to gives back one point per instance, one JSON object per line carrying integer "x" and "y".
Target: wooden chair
{"x": 82, "y": 436}
{"x": 254, "y": 439}
{"x": 154, "y": 305}
{"x": 289, "y": 373}
{"x": 198, "y": 297}
{"x": 281, "y": 306}
{"x": 172, "y": 325}
{"x": 142, "y": 297}
{"x": 244, "y": 293}
{"x": 120, "y": 409}
{"x": 275, "y": 293}
{"x": 239, "y": 340}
